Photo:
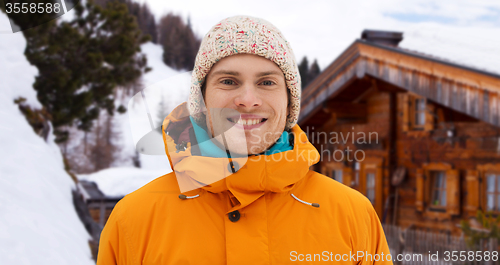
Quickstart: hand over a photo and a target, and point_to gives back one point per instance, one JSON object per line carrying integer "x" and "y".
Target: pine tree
{"x": 136, "y": 160}
{"x": 147, "y": 23}
{"x": 23, "y": 21}
{"x": 102, "y": 151}
{"x": 142, "y": 13}
{"x": 82, "y": 61}
{"x": 314, "y": 71}
{"x": 179, "y": 42}
{"x": 304, "y": 71}
{"x": 191, "y": 47}
{"x": 162, "y": 111}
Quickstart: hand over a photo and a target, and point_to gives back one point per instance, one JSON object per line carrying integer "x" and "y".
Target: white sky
{"x": 323, "y": 29}
{"x": 464, "y": 31}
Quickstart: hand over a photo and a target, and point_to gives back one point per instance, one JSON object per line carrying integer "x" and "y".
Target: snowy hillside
{"x": 160, "y": 75}
{"x": 38, "y": 223}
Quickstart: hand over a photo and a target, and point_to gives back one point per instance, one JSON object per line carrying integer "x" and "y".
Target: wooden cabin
{"x": 98, "y": 204}
{"x": 418, "y": 135}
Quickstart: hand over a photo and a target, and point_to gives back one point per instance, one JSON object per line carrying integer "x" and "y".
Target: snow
{"x": 160, "y": 71}
{"x": 120, "y": 181}
{"x": 474, "y": 47}
{"x": 160, "y": 76}
{"x": 38, "y": 222}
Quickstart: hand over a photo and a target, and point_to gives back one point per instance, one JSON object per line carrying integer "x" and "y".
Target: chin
{"x": 257, "y": 151}
{"x": 233, "y": 141}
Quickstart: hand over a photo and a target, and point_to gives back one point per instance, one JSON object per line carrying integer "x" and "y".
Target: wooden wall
{"x": 95, "y": 213}
{"x": 472, "y": 143}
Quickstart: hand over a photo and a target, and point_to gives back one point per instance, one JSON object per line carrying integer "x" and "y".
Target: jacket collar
{"x": 256, "y": 175}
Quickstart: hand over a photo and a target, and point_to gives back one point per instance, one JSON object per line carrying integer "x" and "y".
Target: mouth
{"x": 247, "y": 123}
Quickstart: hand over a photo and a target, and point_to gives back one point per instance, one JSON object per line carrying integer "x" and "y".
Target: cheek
{"x": 217, "y": 98}
{"x": 209, "y": 96}
{"x": 284, "y": 107}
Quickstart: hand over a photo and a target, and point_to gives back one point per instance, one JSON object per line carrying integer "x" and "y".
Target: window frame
{"x": 335, "y": 175}
{"x": 413, "y": 111}
{"x": 373, "y": 165}
{"x": 495, "y": 193}
{"x": 417, "y": 124}
{"x": 484, "y": 170}
{"x": 356, "y": 171}
{"x": 424, "y": 191}
{"x": 373, "y": 173}
{"x": 329, "y": 167}
{"x": 442, "y": 189}
{"x": 411, "y": 125}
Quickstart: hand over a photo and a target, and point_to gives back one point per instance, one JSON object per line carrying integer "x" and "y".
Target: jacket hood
{"x": 255, "y": 175}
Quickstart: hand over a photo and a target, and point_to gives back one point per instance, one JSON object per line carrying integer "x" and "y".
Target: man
{"x": 241, "y": 191}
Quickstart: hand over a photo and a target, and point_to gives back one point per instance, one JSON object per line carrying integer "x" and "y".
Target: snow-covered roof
{"x": 89, "y": 190}
{"x": 477, "y": 48}
{"x": 120, "y": 181}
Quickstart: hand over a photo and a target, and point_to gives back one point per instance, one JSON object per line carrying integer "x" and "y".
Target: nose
{"x": 248, "y": 98}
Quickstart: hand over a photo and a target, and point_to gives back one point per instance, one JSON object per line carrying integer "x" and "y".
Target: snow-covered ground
{"x": 38, "y": 223}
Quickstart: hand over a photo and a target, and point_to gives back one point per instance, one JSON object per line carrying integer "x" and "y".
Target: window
{"x": 419, "y": 112}
{"x": 370, "y": 177}
{"x": 337, "y": 171}
{"x": 438, "y": 188}
{"x": 492, "y": 192}
{"x": 337, "y": 175}
{"x": 356, "y": 173}
{"x": 370, "y": 186}
{"x": 486, "y": 191}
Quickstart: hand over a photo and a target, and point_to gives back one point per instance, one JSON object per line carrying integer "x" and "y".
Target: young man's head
{"x": 246, "y": 76}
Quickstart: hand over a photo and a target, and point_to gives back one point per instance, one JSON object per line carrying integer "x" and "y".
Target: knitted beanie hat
{"x": 244, "y": 34}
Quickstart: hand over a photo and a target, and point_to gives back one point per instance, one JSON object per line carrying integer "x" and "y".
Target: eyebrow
{"x": 228, "y": 72}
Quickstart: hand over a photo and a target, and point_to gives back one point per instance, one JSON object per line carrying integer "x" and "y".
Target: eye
{"x": 227, "y": 82}
{"x": 268, "y": 83}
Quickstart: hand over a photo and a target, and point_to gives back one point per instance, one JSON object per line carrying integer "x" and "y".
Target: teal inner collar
{"x": 209, "y": 149}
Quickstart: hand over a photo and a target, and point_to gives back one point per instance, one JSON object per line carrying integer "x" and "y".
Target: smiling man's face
{"x": 253, "y": 87}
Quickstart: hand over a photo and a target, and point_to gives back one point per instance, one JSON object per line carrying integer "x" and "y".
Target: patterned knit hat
{"x": 244, "y": 34}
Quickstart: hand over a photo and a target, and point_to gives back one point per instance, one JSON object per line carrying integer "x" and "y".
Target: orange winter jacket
{"x": 258, "y": 215}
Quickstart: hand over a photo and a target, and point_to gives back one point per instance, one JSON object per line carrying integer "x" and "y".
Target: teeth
{"x": 247, "y": 121}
